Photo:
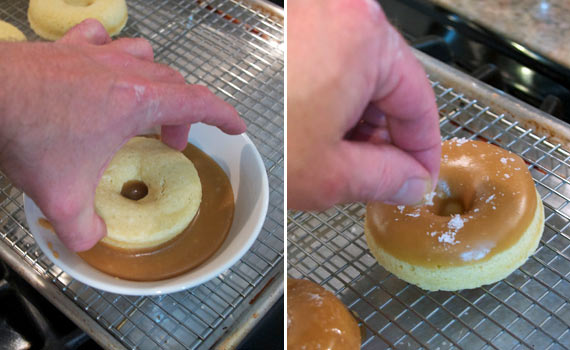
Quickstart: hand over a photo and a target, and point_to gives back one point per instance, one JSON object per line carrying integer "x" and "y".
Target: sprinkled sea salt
{"x": 401, "y": 208}
{"x": 454, "y": 225}
{"x": 456, "y": 222}
{"x": 447, "y": 237}
{"x": 460, "y": 141}
{"x": 507, "y": 176}
{"x": 476, "y": 210}
{"x": 490, "y": 198}
{"x": 316, "y": 298}
{"x": 415, "y": 214}
{"x": 429, "y": 198}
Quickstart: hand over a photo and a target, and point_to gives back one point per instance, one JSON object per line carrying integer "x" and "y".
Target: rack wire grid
{"x": 530, "y": 309}
{"x": 236, "y": 49}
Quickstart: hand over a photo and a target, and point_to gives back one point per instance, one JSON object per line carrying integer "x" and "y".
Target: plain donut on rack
{"x": 148, "y": 194}
{"x": 10, "y": 33}
{"x": 483, "y": 221}
{"x": 51, "y": 19}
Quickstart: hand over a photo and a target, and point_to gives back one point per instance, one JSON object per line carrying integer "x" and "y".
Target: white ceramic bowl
{"x": 242, "y": 163}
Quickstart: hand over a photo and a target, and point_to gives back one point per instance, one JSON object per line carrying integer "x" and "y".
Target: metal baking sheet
{"x": 530, "y": 309}
{"x": 236, "y": 48}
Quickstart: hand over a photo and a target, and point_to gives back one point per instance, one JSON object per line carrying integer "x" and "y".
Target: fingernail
{"x": 411, "y": 192}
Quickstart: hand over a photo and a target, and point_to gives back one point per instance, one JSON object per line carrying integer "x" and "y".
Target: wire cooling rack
{"x": 236, "y": 49}
{"x": 530, "y": 309}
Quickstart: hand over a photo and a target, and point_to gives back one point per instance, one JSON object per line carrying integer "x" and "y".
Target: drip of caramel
{"x": 45, "y": 224}
{"x": 485, "y": 200}
{"x": 199, "y": 241}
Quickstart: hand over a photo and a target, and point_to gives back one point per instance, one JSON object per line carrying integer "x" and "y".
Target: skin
{"x": 362, "y": 123}
{"x": 67, "y": 107}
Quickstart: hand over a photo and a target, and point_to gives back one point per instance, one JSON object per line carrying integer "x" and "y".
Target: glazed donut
{"x": 483, "y": 221}
{"x": 316, "y": 319}
{"x": 148, "y": 194}
{"x": 51, "y": 19}
{"x": 10, "y": 33}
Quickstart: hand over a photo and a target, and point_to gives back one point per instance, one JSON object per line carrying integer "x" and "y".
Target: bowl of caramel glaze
{"x": 239, "y": 159}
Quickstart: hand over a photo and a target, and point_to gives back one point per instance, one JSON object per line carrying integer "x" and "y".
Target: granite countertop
{"x": 540, "y": 25}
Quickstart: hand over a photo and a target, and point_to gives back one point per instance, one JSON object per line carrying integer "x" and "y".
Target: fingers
{"x": 75, "y": 222}
{"x": 137, "y": 47}
{"x": 406, "y": 97}
{"x": 160, "y": 73}
{"x": 382, "y": 173}
{"x": 187, "y": 104}
{"x": 90, "y": 31}
{"x": 372, "y": 127}
{"x": 175, "y": 136}
{"x": 82, "y": 233}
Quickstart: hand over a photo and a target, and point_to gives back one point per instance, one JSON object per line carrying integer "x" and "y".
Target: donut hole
{"x": 79, "y": 3}
{"x": 450, "y": 206}
{"x": 452, "y": 200}
{"x": 134, "y": 190}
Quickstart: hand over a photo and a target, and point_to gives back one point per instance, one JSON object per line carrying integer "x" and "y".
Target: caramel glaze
{"x": 316, "y": 319}
{"x": 485, "y": 200}
{"x": 200, "y": 240}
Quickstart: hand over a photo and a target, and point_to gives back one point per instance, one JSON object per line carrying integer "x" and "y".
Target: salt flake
{"x": 429, "y": 198}
{"x": 456, "y": 222}
{"x": 460, "y": 141}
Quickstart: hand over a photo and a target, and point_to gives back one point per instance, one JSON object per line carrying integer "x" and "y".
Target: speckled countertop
{"x": 540, "y": 25}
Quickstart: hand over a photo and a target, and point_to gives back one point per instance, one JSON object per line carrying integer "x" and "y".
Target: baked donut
{"x": 316, "y": 319}
{"x": 148, "y": 194}
{"x": 482, "y": 222}
{"x": 51, "y": 19}
{"x": 10, "y": 33}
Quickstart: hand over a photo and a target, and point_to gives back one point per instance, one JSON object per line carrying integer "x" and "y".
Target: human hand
{"x": 362, "y": 123}
{"x": 67, "y": 107}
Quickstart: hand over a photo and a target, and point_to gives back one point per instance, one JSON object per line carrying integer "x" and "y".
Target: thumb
{"x": 76, "y": 223}
{"x": 90, "y": 31}
{"x": 175, "y": 136}
{"x": 383, "y": 173}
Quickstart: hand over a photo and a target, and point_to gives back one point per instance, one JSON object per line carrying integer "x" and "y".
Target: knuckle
{"x": 333, "y": 186}
{"x": 202, "y": 91}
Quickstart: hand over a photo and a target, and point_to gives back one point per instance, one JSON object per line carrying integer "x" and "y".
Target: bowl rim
{"x": 161, "y": 286}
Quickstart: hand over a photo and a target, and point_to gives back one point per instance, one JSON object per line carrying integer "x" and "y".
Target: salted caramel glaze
{"x": 316, "y": 319}
{"x": 484, "y": 201}
{"x": 200, "y": 240}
